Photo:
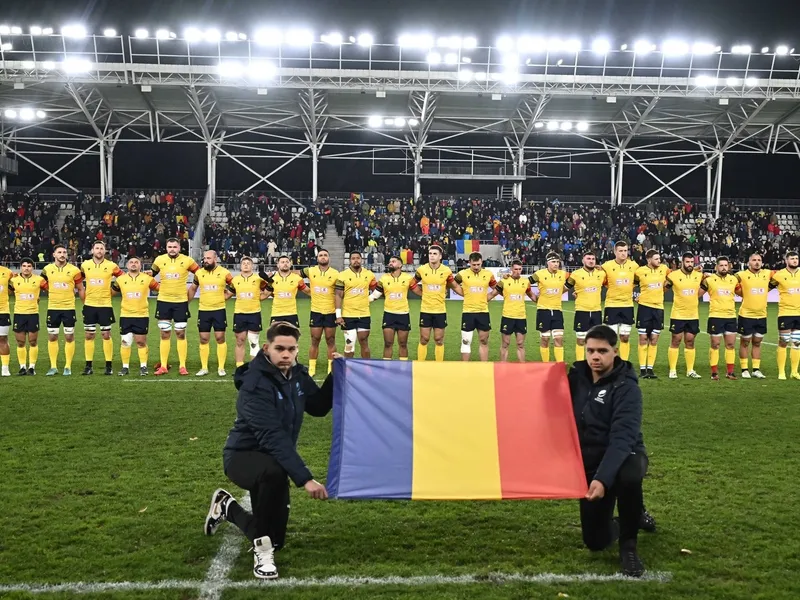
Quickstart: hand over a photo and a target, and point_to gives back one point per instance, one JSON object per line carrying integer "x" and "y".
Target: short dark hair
{"x": 791, "y": 254}
{"x": 176, "y": 240}
{"x": 723, "y": 259}
{"x": 603, "y": 332}
{"x": 475, "y": 256}
{"x": 26, "y": 260}
{"x": 356, "y": 252}
{"x": 686, "y": 255}
{"x": 244, "y": 258}
{"x": 282, "y": 328}
{"x": 516, "y": 262}
{"x": 651, "y": 253}
{"x": 589, "y": 253}
{"x": 621, "y": 244}
{"x": 552, "y": 256}
{"x": 322, "y": 250}
{"x": 758, "y": 254}
{"x": 101, "y": 242}
{"x": 436, "y": 247}
{"x": 395, "y": 256}
{"x": 284, "y": 256}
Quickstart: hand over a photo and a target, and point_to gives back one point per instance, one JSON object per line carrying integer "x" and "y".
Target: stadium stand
{"x": 27, "y": 226}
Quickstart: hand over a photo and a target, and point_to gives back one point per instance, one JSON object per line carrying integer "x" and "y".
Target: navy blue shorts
{"x": 293, "y": 319}
{"x": 57, "y": 318}
{"x": 173, "y": 311}
{"x": 212, "y": 319}
{"x": 246, "y": 322}
{"x": 720, "y": 326}
{"x": 362, "y": 323}
{"x": 585, "y": 320}
{"x": 618, "y": 315}
{"x": 473, "y": 321}
{"x": 677, "y": 326}
{"x": 509, "y": 326}
{"x": 102, "y": 316}
{"x": 789, "y": 323}
{"x": 549, "y": 320}
{"x": 649, "y": 319}
{"x": 323, "y": 320}
{"x": 134, "y": 325}
{"x": 397, "y": 321}
{"x": 749, "y": 327}
{"x": 26, "y": 323}
{"x": 5, "y": 320}
{"x": 433, "y": 320}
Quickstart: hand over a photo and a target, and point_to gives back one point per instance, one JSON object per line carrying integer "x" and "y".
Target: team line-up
{"x": 342, "y": 300}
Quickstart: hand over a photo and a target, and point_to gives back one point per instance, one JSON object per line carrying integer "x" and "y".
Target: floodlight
{"x": 334, "y": 39}
{"x": 465, "y": 75}
{"x": 16, "y": 30}
{"x": 511, "y": 60}
{"x": 299, "y": 37}
{"x": 466, "y": 59}
{"x": 413, "y": 122}
{"x": 480, "y": 75}
{"x": 505, "y": 43}
{"x": 538, "y": 125}
{"x": 76, "y": 65}
{"x": 230, "y": 36}
{"x": 47, "y": 31}
{"x": 388, "y": 121}
{"x": 511, "y": 77}
{"x": 109, "y": 32}
{"x": 28, "y": 64}
{"x": 782, "y": 49}
{"x": 732, "y": 81}
{"x": 162, "y": 34}
{"x": 434, "y": 58}
{"x": 27, "y": 114}
{"x": 705, "y": 81}
{"x": 468, "y": 43}
{"x": 623, "y": 47}
{"x": 5, "y": 30}
{"x": 765, "y": 49}
{"x": 261, "y": 70}
{"x": 375, "y": 121}
{"x": 552, "y": 125}
{"x": 582, "y": 126}
{"x": 35, "y": 30}
{"x": 572, "y": 46}
{"x": 41, "y": 114}
{"x": 451, "y": 58}
{"x": 10, "y": 114}
{"x": 5, "y": 47}
{"x": 496, "y": 76}
{"x": 422, "y": 40}
{"x": 452, "y": 41}
{"x": 269, "y": 37}
{"x": 73, "y": 31}
{"x": 751, "y": 82}
{"x": 703, "y": 48}
{"x": 399, "y": 122}
{"x": 365, "y": 39}
{"x": 141, "y": 33}
{"x": 601, "y": 46}
{"x": 242, "y": 37}
{"x": 742, "y": 49}
{"x": 643, "y": 47}
{"x": 192, "y": 35}
{"x": 212, "y": 35}
{"x": 566, "y": 125}
{"x": 48, "y": 65}
{"x": 674, "y": 48}
{"x": 527, "y": 43}
{"x": 560, "y": 62}
{"x": 230, "y": 68}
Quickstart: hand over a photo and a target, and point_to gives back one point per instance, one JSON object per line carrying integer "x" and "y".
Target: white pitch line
{"x": 335, "y": 581}
{"x": 177, "y": 380}
{"x": 221, "y": 565}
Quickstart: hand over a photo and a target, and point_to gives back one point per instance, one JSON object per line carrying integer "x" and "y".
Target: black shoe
{"x": 31, "y": 370}
{"x": 630, "y": 563}
{"x": 647, "y": 522}
{"x": 123, "y": 372}
{"x": 651, "y": 374}
{"x": 643, "y": 374}
{"x": 109, "y": 371}
{"x": 87, "y": 370}
{"x": 143, "y": 372}
{"x": 22, "y": 371}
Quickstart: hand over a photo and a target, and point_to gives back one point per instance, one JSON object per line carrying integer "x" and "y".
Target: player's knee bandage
{"x": 127, "y": 340}
{"x": 89, "y": 328}
{"x": 105, "y": 328}
{"x": 165, "y": 326}
{"x": 544, "y": 334}
{"x": 252, "y": 339}
{"x": 350, "y": 340}
{"x": 558, "y": 333}
{"x": 69, "y": 330}
{"x": 466, "y": 341}
{"x": 796, "y": 339}
{"x": 614, "y": 328}
{"x": 624, "y": 329}
{"x": 786, "y": 337}
{"x": 180, "y": 326}
{"x": 53, "y": 331}
{"x": 581, "y": 335}
{"x": 4, "y": 330}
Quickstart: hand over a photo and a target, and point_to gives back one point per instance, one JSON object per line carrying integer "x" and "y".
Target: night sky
{"x": 725, "y": 22}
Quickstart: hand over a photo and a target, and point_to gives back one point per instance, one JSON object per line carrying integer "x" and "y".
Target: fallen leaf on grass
{"x": 193, "y": 439}
{"x": 563, "y": 595}
{"x": 144, "y": 509}
{"x": 685, "y": 551}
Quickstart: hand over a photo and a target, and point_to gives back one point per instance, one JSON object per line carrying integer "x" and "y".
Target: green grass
{"x": 82, "y": 459}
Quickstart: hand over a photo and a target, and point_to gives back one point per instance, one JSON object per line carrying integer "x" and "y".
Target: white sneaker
{"x": 264, "y": 559}
{"x": 6, "y": 372}
{"x": 694, "y": 375}
{"x": 201, "y": 373}
{"x": 745, "y": 374}
{"x": 758, "y": 374}
{"x": 673, "y": 375}
{"x": 221, "y": 372}
{"x": 217, "y": 512}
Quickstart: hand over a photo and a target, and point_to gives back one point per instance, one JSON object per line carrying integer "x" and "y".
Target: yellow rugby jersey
{"x": 174, "y": 275}
{"x": 754, "y": 290}
{"x": 322, "y": 284}
{"x": 434, "y": 287}
{"x": 135, "y": 292}
{"x": 248, "y": 293}
{"x": 27, "y": 292}
{"x": 356, "y": 288}
{"x": 588, "y": 288}
{"x": 551, "y": 288}
{"x": 476, "y": 289}
{"x": 721, "y": 295}
{"x": 686, "y": 297}
{"x": 97, "y": 279}
{"x": 619, "y": 280}
{"x": 788, "y": 285}
{"x": 651, "y": 285}
{"x": 395, "y": 292}
{"x": 284, "y": 294}
{"x": 5, "y": 277}
{"x": 212, "y": 287}
{"x": 514, "y": 291}
{"x": 61, "y": 282}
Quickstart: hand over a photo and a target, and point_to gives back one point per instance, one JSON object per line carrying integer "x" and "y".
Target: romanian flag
{"x": 467, "y": 246}
{"x": 453, "y": 431}
{"x": 354, "y": 196}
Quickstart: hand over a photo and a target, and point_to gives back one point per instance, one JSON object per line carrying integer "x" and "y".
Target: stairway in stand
{"x": 335, "y": 246}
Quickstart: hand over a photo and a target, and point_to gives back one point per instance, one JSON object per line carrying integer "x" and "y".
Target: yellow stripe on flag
{"x": 455, "y": 432}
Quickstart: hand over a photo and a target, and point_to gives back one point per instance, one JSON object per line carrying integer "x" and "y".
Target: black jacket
{"x": 269, "y": 412}
{"x": 609, "y": 417}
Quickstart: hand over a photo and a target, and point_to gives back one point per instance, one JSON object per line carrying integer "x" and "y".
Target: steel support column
{"x": 718, "y": 195}
{"x": 314, "y": 106}
{"x": 422, "y": 106}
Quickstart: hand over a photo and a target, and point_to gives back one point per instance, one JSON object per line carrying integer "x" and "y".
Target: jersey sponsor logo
{"x": 688, "y": 292}
{"x": 26, "y": 296}
{"x": 356, "y": 291}
{"x": 246, "y": 295}
{"x": 395, "y": 295}
{"x": 758, "y": 291}
{"x": 476, "y": 289}
{"x": 654, "y": 286}
{"x": 2, "y": 288}
{"x": 623, "y": 281}
{"x": 133, "y": 295}
{"x": 321, "y": 290}
{"x": 286, "y": 295}
{"x": 552, "y": 291}
{"x": 724, "y": 293}
{"x": 211, "y": 287}
{"x": 94, "y": 281}
{"x": 788, "y": 291}
{"x": 434, "y": 287}
{"x": 60, "y": 285}
{"x": 590, "y": 289}
{"x": 515, "y": 297}
{"x": 172, "y": 275}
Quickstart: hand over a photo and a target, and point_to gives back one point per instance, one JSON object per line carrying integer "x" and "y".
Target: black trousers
{"x": 626, "y": 493}
{"x": 268, "y": 485}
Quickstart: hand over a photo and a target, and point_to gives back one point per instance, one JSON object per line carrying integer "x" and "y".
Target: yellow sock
{"x": 330, "y": 365}
{"x": 642, "y": 356}
{"x": 795, "y": 360}
{"x": 22, "y": 356}
{"x": 204, "y": 352}
{"x": 782, "y": 361}
{"x": 239, "y": 364}
{"x": 88, "y": 350}
{"x": 545, "y": 352}
{"x": 558, "y": 351}
{"x": 52, "y": 349}
{"x": 625, "y": 350}
{"x": 422, "y": 352}
{"x": 688, "y": 355}
{"x": 183, "y": 350}
{"x": 730, "y": 356}
{"x": 652, "y": 353}
{"x": 222, "y": 355}
{"x": 108, "y": 349}
{"x": 713, "y": 356}
{"x": 164, "y": 349}
{"x": 743, "y": 363}
{"x": 312, "y": 366}
{"x": 672, "y": 354}
{"x": 33, "y": 354}
{"x": 438, "y": 353}
{"x": 69, "y": 353}
{"x": 403, "y": 358}
{"x": 5, "y": 360}
{"x": 125, "y": 355}
{"x": 580, "y": 353}
{"x": 144, "y": 356}
{"x": 756, "y": 364}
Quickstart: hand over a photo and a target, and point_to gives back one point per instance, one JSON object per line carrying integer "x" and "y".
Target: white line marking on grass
{"x": 228, "y": 380}
{"x": 221, "y": 565}
{"x": 336, "y": 581}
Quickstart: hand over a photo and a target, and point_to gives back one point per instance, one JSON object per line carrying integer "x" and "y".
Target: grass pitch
{"x": 108, "y": 479}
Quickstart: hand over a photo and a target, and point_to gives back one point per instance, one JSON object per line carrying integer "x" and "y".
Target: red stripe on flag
{"x": 537, "y": 438}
